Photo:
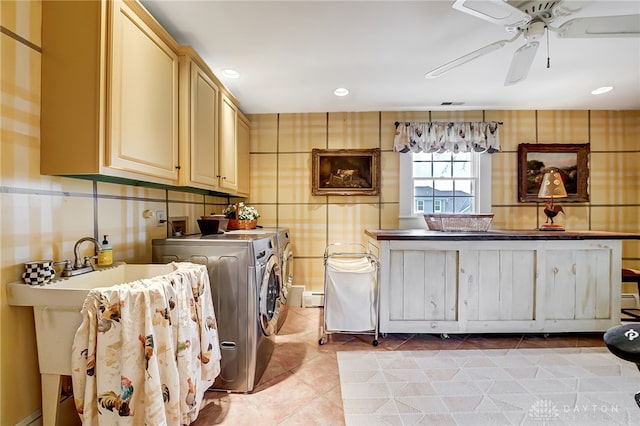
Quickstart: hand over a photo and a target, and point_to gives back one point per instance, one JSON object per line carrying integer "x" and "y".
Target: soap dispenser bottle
{"x": 105, "y": 256}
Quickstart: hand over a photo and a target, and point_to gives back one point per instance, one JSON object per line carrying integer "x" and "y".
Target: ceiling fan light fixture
{"x": 533, "y": 19}
{"x": 341, "y": 91}
{"x": 534, "y": 31}
{"x": 602, "y": 90}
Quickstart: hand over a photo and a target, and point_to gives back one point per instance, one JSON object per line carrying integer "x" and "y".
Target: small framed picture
{"x": 571, "y": 160}
{"x": 345, "y": 171}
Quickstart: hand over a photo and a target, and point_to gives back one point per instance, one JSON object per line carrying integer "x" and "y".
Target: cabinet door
{"x": 228, "y": 165}
{"x": 244, "y": 158}
{"x": 419, "y": 290}
{"x": 203, "y": 155}
{"x": 498, "y": 288}
{"x": 578, "y": 285}
{"x": 143, "y": 98}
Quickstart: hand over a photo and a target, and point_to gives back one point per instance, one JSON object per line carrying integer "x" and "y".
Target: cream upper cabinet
{"x": 109, "y": 92}
{"x": 228, "y": 165}
{"x": 244, "y": 158}
{"x": 199, "y": 95}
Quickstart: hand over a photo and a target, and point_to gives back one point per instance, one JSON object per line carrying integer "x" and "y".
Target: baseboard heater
{"x": 628, "y": 301}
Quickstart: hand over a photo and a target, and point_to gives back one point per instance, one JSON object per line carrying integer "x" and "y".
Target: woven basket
{"x": 242, "y": 224}
{"x": 459, "y": 222}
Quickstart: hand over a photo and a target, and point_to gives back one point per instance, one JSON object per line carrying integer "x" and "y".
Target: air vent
{"x": 451, "y": 103}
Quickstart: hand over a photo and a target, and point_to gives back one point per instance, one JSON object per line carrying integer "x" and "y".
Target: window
{"x": 443, "y": 183}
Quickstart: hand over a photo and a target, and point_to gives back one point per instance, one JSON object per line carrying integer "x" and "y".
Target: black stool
{"x": 624, "y": 342}
{"x": 631, "y": 276}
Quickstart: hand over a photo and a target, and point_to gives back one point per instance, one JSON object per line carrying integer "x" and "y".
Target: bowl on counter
{"x": 208, "y": 226}
{"x": 222, "y": 221}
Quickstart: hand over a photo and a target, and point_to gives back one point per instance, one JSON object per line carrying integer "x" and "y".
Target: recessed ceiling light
{"x": 230, "y": 73}
{"x": 341, "y": 91}
{"x": 601, "y": 90}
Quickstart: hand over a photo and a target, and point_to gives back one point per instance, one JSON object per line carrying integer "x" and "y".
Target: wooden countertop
{"x": 496, "y": 234}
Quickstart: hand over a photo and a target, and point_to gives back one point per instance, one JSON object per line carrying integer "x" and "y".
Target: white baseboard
{"x": 67, "y": 415}
{"x": 33, "y": 419}
{"x": 313, "y": 299}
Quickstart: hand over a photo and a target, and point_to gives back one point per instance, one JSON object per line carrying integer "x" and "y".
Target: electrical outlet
{"x": 161, "y": 218}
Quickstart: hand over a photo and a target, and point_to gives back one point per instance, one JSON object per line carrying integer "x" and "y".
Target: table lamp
{"x": 552, "y": 187}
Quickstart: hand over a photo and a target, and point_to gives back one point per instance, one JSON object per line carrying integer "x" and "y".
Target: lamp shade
{"x": 552, "y": 186}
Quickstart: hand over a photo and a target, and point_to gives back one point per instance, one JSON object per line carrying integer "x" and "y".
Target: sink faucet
{"x": 78, "y": 264}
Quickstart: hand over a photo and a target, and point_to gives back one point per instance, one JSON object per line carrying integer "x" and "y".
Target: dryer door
{"x": 269, "y": 293}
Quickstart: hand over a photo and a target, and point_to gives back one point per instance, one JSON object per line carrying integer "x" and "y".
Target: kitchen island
{"x": 500, "y": 281}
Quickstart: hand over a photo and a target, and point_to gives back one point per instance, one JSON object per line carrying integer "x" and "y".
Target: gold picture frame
{"x": 571, "y": 160}
{"x": 345, "y": 171}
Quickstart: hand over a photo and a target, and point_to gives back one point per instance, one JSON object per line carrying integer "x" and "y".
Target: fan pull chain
{"x": 548, "y": 58}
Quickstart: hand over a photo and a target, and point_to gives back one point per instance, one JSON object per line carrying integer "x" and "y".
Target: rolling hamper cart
{"x": 350, "y": 291}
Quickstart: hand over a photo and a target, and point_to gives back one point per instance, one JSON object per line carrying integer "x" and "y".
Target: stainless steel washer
{"x": 285, "y": 256}
{"x": 245, "y": 285}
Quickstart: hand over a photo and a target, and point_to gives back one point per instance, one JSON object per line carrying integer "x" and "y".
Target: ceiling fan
{"x": 531, "y": 18}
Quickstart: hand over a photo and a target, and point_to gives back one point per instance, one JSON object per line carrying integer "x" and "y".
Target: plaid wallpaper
{"x": 615, "y": 149}
{"x": 42, "y": 216}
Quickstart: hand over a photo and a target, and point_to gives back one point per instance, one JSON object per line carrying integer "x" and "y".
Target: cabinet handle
{"x": 178, "y": 167}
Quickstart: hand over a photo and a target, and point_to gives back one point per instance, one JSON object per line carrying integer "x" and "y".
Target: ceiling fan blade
{"x": 521, "y": 63}
{"x": 569, "y": 7}
{"x": 601, "y": 26}
{"x": 495, "y": 11}
{"x": 466, "y": 58}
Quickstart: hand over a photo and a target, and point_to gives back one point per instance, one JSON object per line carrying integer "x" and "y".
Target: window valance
{"x": 440, "y": 136}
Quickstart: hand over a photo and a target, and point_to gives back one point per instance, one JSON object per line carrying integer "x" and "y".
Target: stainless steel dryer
{"x": 245, "y": 285}
{"x": 285, "y": 255}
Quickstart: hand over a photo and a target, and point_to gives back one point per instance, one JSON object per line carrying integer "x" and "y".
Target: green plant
{"x": 245, "y": 212}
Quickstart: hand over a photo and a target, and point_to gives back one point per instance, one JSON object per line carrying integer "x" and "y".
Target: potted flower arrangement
{"x": 241, "y": 216}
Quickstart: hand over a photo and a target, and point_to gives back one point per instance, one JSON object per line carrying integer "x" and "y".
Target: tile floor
{"x": 488, "y": 387}
{"x": 301, "y": 385}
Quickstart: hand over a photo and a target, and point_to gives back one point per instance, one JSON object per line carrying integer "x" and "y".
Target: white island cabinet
{"x": 498, "y": 281}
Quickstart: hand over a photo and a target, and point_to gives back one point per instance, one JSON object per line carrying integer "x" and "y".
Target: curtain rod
{"x": 397, "y": 123}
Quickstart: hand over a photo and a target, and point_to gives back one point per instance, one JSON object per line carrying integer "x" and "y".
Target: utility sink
{"x": 70, "y": 292}
{"x": 56, "y": 310}
{"x": 57, "y": 305}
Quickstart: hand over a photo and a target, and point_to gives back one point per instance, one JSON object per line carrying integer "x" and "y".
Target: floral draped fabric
{"x": 434, "y": 136}
{"x": 146, "y": 351}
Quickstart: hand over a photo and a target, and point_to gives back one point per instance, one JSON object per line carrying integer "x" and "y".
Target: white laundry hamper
{"x": 350, "y": 291}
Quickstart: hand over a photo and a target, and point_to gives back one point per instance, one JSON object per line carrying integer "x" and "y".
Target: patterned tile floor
{"x": 301, "y": 385}
{"x": 492, "y": 387}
